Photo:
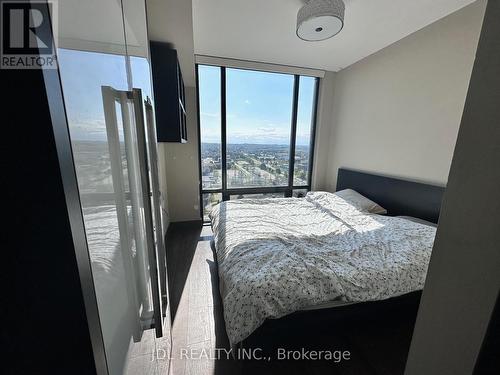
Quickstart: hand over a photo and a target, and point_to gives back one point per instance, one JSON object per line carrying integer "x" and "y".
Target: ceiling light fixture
{"x": 320, "y": 19}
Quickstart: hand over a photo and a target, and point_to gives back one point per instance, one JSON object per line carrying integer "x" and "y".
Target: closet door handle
{"x": 136, "y": 96}
{"x": 156, "y": 199}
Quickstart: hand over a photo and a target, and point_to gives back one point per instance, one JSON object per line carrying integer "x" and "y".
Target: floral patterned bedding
{"x": 281, "y": 255}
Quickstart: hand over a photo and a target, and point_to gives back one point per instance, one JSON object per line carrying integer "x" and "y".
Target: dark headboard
{"x": 399, "y": 197}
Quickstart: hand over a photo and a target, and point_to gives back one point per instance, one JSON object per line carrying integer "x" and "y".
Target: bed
{"x": 282, "y": 256}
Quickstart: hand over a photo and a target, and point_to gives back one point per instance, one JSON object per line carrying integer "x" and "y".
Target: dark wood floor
{"x": 377, "y": 346}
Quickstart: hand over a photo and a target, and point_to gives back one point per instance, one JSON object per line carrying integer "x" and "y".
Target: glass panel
{"x": 305, "y": 112}
{"x": 299, "y": 193}
{"x": 210, "y": 126}
{"x": 83, "y": 74}
{"x": 257, "y": 196}
{"x": 136, "y": 32}
{"x": 105, "y": 156}
{"x": 259, "y": 112}
{"x": 209, "y": 201}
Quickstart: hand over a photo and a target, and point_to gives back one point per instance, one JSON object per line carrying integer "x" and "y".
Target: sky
{"x": 83, "y": 74}
{"x": 258, "y": 106}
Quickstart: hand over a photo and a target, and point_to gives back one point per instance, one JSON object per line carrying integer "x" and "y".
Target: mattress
{"x": 282, "y": 255}
{"x": 338, "y": 303}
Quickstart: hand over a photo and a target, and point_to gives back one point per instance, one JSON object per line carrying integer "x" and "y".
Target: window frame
{"x": 288, "y": 189}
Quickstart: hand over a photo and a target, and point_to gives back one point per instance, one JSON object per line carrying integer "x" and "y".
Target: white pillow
{"x": 360, "y": 202}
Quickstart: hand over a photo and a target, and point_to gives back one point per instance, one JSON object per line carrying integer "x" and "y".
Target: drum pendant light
{"x": 320, "y": 19}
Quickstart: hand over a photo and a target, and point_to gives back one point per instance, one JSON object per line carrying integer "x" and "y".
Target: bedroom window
{"x": 256, "y": 134}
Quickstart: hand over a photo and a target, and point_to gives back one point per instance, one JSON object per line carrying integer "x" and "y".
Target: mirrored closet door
{"x": 105, "y": 75}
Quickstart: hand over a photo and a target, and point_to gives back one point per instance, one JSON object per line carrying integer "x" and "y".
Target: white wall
{"x": 172, "y": 21}
{"x": 182, "y": 168}
{"x": 398, "y": 111}
{"x": 323, "y": 129}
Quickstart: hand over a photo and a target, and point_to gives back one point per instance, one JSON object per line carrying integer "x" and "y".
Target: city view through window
{"x": 253, "y": 165}
{"x": 259, "y": 108}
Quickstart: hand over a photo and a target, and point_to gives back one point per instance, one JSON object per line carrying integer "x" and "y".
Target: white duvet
{"x": 281, "y": 255}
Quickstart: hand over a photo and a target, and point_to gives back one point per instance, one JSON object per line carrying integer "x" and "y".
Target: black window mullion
{"x": 225, "y": 196}
{"x": 257, "y": 190}
{"x": 210, "y": 191}
{"x": 200, "y": 181}
{"x": 293, "y": 133}
{"x": 313, "y": 132}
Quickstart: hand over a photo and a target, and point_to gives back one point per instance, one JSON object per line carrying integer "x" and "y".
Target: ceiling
{"x": 264, "y": 30}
